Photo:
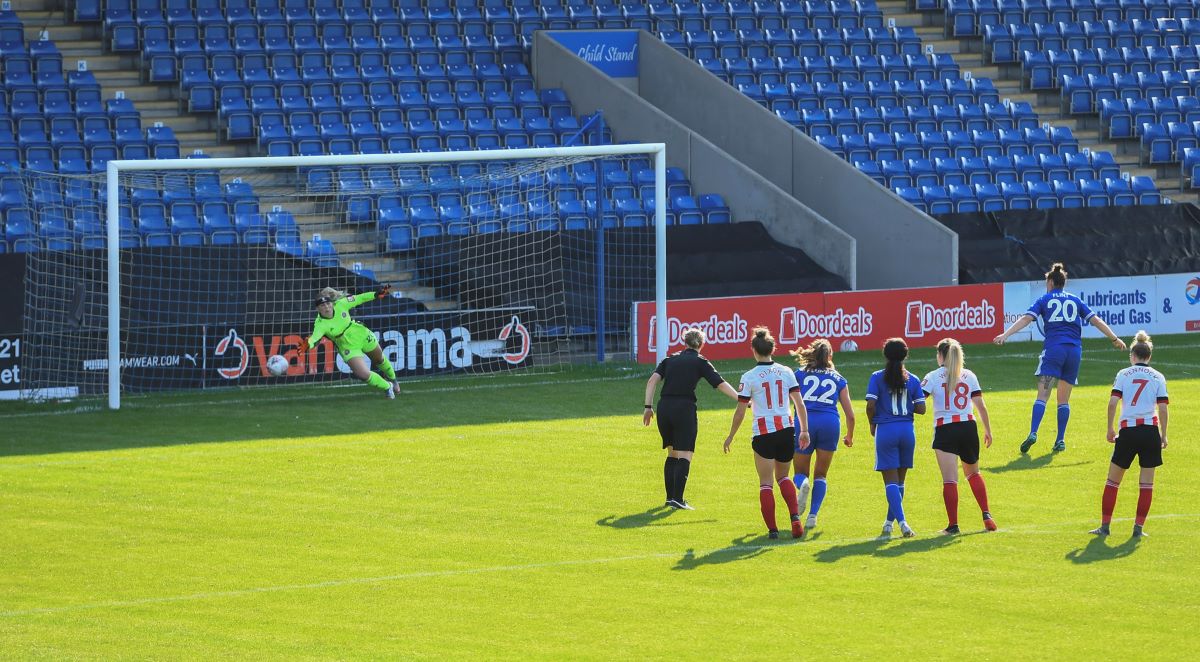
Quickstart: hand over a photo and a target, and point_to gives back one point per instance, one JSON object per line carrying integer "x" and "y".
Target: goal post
{"x": 516, "y": 241}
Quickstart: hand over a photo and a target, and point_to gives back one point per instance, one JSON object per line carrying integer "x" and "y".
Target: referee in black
{"x": 680, "y": 372}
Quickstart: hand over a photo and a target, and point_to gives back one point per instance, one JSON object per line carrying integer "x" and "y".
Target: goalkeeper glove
{"x": 302, "y": 345}
{"x": 383, "y": 291}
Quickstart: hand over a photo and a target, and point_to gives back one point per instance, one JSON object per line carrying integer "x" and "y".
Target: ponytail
{"x": 763, "y": 343}
{"x": 952, "y": 359}
{"x": 1057, "y": 275}
{"x": 895, "y": 350}
{"x": 1142, "y": 347}
{"x": 817, "y": 356}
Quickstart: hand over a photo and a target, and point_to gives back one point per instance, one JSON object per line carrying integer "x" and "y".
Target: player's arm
{"x": 1023, "y": 321}
{"x": 311, "y": 341}
{"x": 738, "y": 415}
{"x": 802, "y": 414}
{"x": 1108, "y": 332}
{"x": 848, "y": 410}
{"x": 981, "y": 409}
{"x": 728, "y": 389}
{"x": 651, "y": 386}
{"x": 918, "y": 398}
{"x": 1162, "y": 418}
{"x": 714, "y": 380}
{"x": 1112, "y": 414}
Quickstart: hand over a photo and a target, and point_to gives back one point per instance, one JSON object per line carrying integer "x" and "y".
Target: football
{"x": 848, "y": 345}
{"x": 277, "y": 365}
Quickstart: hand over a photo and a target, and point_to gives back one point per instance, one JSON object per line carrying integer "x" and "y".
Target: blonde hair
{"x": 817, "y": 356}
{"x": 333, "y": 294}
{"x": 1142, "y": 347}
{"x": 952, "y": 358}
{"x": 763, "y": 343}
{"x": 694, "y": 338}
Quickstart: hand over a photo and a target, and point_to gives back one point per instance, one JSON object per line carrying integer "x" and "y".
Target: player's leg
{"x": 820, "y": 487}
{"x": 802, "y": 460}
{"x": 788, "y": 490}
{"x": 1145, "y": 496}
{"x": 666, "y": 430}
{"x": 887, "y": 461}
{"x": 375, "y": 352}
{"x": 1150, "y": 458}
{"x": 907, "y": 448}
{"x": 948, "y": 465}
{"x": 1064, "y": 412}
{"x": 765, "y": 466}
{"x": 360, "y": 367}
{"x": 683, "y": 447}
{"x": 1108, "y": 502}
{"x": 1045, "y": 381}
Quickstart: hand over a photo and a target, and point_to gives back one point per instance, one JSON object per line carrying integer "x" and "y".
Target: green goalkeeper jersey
{"x": 347, "y": 334}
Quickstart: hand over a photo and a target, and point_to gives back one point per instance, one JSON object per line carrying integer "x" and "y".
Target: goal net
{"x": 506, "y": 260}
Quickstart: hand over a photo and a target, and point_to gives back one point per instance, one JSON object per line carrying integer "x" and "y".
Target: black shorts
{"x": 677, "y": 423}
{"x": 779, "y": 445}
{"x": 961, "y": 439}
{"x": 1142, "y": 441}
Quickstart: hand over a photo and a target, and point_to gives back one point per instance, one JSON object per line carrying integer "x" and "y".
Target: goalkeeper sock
{"x": 388, "y": 370}
{"x": 379, "y": 382}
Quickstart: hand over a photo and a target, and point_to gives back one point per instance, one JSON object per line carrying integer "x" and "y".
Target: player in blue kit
{"x": 893, "y": 396}
{"x": 822, "y": 388}
{"x": 1061, "y": 316}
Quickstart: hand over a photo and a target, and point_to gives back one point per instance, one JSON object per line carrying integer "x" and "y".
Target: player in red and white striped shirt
{"x": 770, "y": 387}
{"x": 1142, "y": 392}
{"x": 955, "y": 391}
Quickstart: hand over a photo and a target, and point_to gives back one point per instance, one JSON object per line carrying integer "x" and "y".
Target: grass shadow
{"x": 739, "y": 549}
{"x": 1098, "y": 549}
{"x": 651, "y": 517}
{"x": 880, "y": 547}
{"x": 1025, "y": 462}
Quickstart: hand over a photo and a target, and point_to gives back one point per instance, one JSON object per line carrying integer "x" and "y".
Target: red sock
{"x": 980, "y": 490}
{"x": 950, "y": 496}
{"x": 766, "y": 503}
{"x": 788, "y": 489}
{"x": 1109, "y": 502}
{"x": 1145, "y": 494}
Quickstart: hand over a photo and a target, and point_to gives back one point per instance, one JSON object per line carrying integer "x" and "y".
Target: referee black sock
{"x": 669, "y": 476}
{"x": 682, "y": 467}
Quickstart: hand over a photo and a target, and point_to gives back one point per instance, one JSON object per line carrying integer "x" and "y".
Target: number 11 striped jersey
{"x": 1140, "y": 388}
{"x": 767, "y": 387}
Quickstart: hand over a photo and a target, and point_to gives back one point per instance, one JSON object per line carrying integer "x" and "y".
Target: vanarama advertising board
{"x": 851, "y": 320}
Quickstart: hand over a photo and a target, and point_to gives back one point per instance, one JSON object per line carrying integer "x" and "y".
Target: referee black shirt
{"x": 681, "y": 372}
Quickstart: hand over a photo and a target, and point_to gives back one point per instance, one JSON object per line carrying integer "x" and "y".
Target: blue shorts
{"x": 824, "y": 432}
{"x": 894, "y": 445}
{"x": 1061, "y": 362}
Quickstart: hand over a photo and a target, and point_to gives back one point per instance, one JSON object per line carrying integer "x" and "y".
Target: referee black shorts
{"x": 1142, "y": 441}
{"x": 961, "y": 439}
{"x": 677, "y": 423}
{"x": 779, "y": 445}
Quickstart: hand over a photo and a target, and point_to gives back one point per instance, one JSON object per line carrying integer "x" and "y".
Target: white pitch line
{"x": 817, "y": 546}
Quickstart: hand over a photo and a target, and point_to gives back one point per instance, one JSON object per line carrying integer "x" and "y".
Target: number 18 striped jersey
{"x": 953, "y": 404}
{"x": 1140, "y": 388}
{"x": 767, "y": 387}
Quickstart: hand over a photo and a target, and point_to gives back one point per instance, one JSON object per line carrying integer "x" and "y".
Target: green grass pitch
{"x": 514, "y": 518}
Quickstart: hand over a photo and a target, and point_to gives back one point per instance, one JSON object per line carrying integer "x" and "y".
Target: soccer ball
{"x": 848, "y": 345}
{"x": 277, "y": 365}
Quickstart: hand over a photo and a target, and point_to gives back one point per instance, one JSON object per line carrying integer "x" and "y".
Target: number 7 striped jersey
{"x": 767, "y": 387}
{"x": 953, "y": 404}
{"x": 1140, "y": 388}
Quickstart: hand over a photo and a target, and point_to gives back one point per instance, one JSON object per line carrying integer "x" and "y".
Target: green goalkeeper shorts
{"x": 356, "y": 341}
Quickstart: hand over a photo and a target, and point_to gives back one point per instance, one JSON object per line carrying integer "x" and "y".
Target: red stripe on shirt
{"x": 762, "y": 426}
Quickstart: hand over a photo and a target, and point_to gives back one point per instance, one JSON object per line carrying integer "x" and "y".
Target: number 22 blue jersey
{"x": 1062, "y": 315}
{"x": 821, "y": 390}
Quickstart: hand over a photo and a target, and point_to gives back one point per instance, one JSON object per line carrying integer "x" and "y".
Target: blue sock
{"x": 895, "y": 499}
{"x": 1039, "y": 410}
{"x": 799, "y": 480}
{"x": 1064, "y": 415}
{"x": 818, "y": 495}
{"x": 891, "y": 514}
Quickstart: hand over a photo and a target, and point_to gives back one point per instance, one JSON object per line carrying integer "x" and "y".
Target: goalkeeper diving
{"x": 354, "y": 341}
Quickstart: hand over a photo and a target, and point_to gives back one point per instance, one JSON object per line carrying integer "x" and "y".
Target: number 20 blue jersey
{"x": 1062, "y": 315}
